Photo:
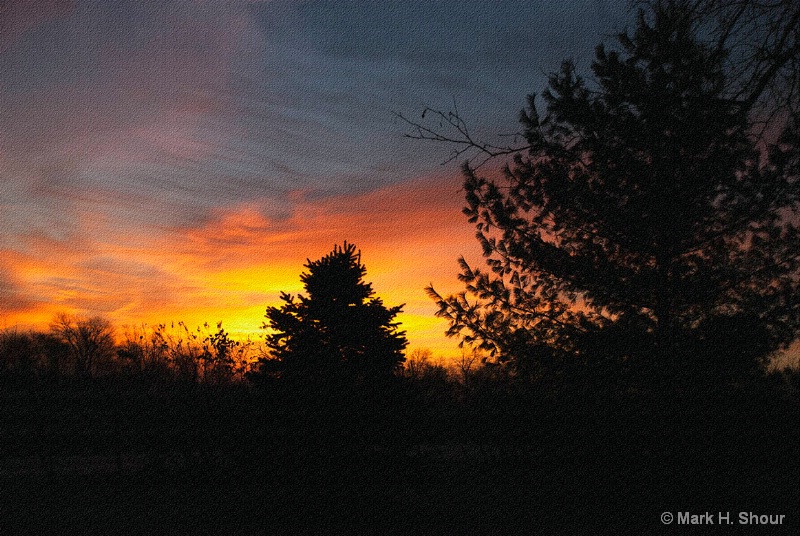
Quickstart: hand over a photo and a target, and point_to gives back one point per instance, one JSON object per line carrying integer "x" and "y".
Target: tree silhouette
{"x": 90, "y": 340}
{"x": 641, "y": 222}
{"x": 339, "y": 329}
{"x": 763, "y": 60}
{"x": 758, "y": 41}
{"x": 17, "y": 353}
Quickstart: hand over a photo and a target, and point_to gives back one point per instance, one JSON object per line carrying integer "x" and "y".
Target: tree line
{"x": 339, "y": 331}
{"x": 87, "y": 347}
{"x": 648, "y": 227}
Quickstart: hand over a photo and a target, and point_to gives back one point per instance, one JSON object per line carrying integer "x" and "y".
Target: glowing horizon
{"x": 231, "y": 268}
{"x": 181, "y": 160}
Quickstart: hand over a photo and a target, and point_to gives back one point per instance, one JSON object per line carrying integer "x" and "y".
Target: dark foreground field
{"x": 134, "y": 458}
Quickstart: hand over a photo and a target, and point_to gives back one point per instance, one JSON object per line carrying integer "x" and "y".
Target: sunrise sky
{"x": 181, "y": 160}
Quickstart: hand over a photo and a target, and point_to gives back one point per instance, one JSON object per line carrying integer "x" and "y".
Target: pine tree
{"x": 339, "y": 329}
{"x": 642, "y": 223}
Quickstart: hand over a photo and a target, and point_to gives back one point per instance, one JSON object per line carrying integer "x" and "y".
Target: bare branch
{"x": 453, "y": 130}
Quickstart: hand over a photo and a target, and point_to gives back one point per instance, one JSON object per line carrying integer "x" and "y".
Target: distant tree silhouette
{"x": 420, "y": 366}
{"x": 90, "y": 340}
{"x": 641, "y": 221}
{"x": 53, "y": 353}
{"x": 17, "y": 353}
{"x": 339, "y": 329}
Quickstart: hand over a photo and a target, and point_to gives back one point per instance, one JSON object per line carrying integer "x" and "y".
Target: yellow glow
{"x": 232, "y": 267}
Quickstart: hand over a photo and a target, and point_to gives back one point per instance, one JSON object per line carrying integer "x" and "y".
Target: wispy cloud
{"x": 182, "y": 159}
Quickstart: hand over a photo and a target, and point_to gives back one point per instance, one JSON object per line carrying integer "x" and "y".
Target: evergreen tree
{"x": 339, "y": 329}
{"x": 642, "y": 222}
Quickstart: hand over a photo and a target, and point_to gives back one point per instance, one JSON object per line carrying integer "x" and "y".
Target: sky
{"x": 182, "y": 160}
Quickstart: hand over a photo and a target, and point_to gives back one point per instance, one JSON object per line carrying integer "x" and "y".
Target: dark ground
{"x": 132, "y": 458}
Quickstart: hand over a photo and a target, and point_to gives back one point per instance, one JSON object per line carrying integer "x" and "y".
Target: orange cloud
{"x": 233, "y": 265}
{"x": 410, "y": 236}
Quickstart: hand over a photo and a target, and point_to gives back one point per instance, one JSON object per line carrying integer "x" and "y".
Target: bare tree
{"x": 91, "y": 340}
{"x": 418, "y": 362}
{"x": 466, "y": 364}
